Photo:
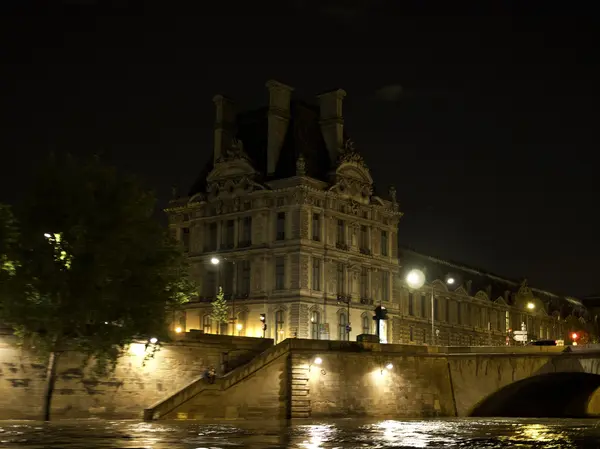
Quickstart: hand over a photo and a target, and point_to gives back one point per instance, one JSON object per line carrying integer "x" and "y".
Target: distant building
{"x": 288, "y": 209}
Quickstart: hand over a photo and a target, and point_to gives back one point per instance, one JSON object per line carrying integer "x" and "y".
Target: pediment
{"x": 500, "y": 300}
{"x": 440, "y": 285}
{"x": 231, "y": 169}
{"x": 482, "y": 295}
{"x": 461, "y": 291}
{"x": 353, "y": 170}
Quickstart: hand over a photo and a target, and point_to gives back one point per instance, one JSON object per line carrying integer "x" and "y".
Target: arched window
{"x": 315, "y": 323}
{"x": 342, "y": 322}
{"x": 366, "y": 324}
{"x": 279, "y": 323}
{"x": 207, "y": 324}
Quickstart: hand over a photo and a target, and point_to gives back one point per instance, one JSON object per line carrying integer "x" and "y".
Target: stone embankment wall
{"x": 133, "y": 386}
{"x": 283, "y": 381}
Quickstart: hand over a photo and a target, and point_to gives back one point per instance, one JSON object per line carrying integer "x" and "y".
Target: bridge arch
{"x": 549, "y": 395}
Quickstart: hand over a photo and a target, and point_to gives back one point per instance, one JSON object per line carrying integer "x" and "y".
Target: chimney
{"x": 279, "y": 119}
{"x": 224, "y": 125}
{"x": 332, "y": 121}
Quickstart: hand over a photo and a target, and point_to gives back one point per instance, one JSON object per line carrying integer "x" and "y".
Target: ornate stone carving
{"x": 235, "y": 151}
{"x": 300, "y": 166}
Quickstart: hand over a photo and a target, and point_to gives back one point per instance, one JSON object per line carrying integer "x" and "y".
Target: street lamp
{"x": 416, "y": 279}
{"x": 215, "y": 261}
{"x": 530, "y": 305}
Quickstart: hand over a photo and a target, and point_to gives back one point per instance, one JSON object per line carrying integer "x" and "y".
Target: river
{"x": 349, "y": 433}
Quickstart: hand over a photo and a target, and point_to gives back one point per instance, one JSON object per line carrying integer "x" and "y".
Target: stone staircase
{"x": 299, "y": 375}
{"x": 199, "y": 394}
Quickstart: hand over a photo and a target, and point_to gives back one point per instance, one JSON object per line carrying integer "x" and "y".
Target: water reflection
{"x": 463, "y": 434}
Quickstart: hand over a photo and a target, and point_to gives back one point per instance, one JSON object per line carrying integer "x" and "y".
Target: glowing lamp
{"x": 574, "y": 336}
{"x": 178, "y": 329}
{"x": 530, "y": 305}
{"x": 415, "y": 278}
{"x": 153, "y": 340}
{"x": 450, "y": 281}
{"x": 214, "y": 260}
{"x": 238, "y": 326}
{"x": 318, "y": 361}
{"x": 389, "y": 366}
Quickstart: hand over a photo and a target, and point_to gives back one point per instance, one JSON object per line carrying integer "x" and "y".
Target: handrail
{"x": 223, "y": 383}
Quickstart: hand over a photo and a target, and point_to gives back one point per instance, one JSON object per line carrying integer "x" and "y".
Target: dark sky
{"x": 483, "y": 119}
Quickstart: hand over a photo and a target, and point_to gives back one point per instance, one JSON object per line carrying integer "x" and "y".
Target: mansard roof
{"x": 474, "y": 281}
{"x": 303, "y": 137}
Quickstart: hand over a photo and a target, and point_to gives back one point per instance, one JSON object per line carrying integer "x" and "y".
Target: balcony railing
{"x": 341, "y": 245}
{"x": 344, "y": 298}
{"x": 244, "y": 244}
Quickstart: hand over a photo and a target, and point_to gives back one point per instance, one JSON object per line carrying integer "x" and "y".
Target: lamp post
{"x": 416, "y": 279}
{"x": 217, "y": 261}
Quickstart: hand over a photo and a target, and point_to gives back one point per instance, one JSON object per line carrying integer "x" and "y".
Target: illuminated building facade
{"x": 288, "y": 211}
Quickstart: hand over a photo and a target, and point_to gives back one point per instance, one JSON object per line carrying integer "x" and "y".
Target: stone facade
{"x": 288, "y": 208}
{"x": 133, "y": 386}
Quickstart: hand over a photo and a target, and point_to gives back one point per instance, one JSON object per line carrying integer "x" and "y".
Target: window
{"x": 211, "y": 244}
{"x": 315, "y": 323}
{"x": 411, "y": 304}
{"x": 436, "y": 314}
{"x": 341, "y": 234}
{"x": 364, "y": 282}
{"x": 227, "y": 241}
{"x": 411, "y": 336}
{"x": 279, "y": 273}
{"x": 364, "y": 238}
{"x": 279, "y": 323}
{"x": 207, "y": 324}
{"x": 280, "y": 231}
{"x": 227, "y": 281}
{"x": 243, "y": 278}
{"x": 316, "y": 228}
{"x": 423, "y": 308}
{"x": 507, "y": 321}
{"x": 316, "y": 273}
{"x": 340, "y": 278}
{"x": 366, "y": 324}
{"x": 385, "y": 286}
{"x": 384, "y": 243}
{"x": 211, "y": 283}
{"x": 185, "y": 239}
{"x": 458, "y": 313}
{"x": 342, "y": 323}
{"x": 447, "y": 311}
{"x": 245, "y": 239}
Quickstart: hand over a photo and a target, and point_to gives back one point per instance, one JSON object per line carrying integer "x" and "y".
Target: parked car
{"x": 543, "y": 343}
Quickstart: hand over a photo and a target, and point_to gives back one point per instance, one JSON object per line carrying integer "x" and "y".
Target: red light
{"x": 574, "y": 336}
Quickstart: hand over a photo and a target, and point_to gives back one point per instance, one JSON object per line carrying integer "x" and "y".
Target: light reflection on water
{"x": 342, "y": 434}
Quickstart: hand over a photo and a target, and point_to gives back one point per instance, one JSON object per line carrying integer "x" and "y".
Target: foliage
{"x": 8, "y": 239}
{"x": 220, "y": 312}
{"x": 94, "y": 269}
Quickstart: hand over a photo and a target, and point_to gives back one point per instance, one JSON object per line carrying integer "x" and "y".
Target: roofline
{"x": 480, "y": 273}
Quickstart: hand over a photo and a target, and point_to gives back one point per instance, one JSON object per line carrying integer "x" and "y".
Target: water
{"x": 351, "y": 433}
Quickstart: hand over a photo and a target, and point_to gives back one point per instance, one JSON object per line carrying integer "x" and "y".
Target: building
{"x": 286, "y": 218}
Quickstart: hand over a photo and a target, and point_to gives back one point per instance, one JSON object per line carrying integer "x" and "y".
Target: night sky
{"x": 483, "y": 119}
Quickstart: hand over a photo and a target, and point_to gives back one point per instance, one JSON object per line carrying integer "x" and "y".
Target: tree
{"x": 220, "y": 312}
{"x": 8, "y": 239}
{"x": 94, "y": 269}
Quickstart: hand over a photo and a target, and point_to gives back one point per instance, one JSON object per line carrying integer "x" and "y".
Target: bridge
{"x": 310, "y": 379}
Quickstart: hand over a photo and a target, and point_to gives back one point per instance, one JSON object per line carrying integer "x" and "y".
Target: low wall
{"x": 127, "y": 391}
